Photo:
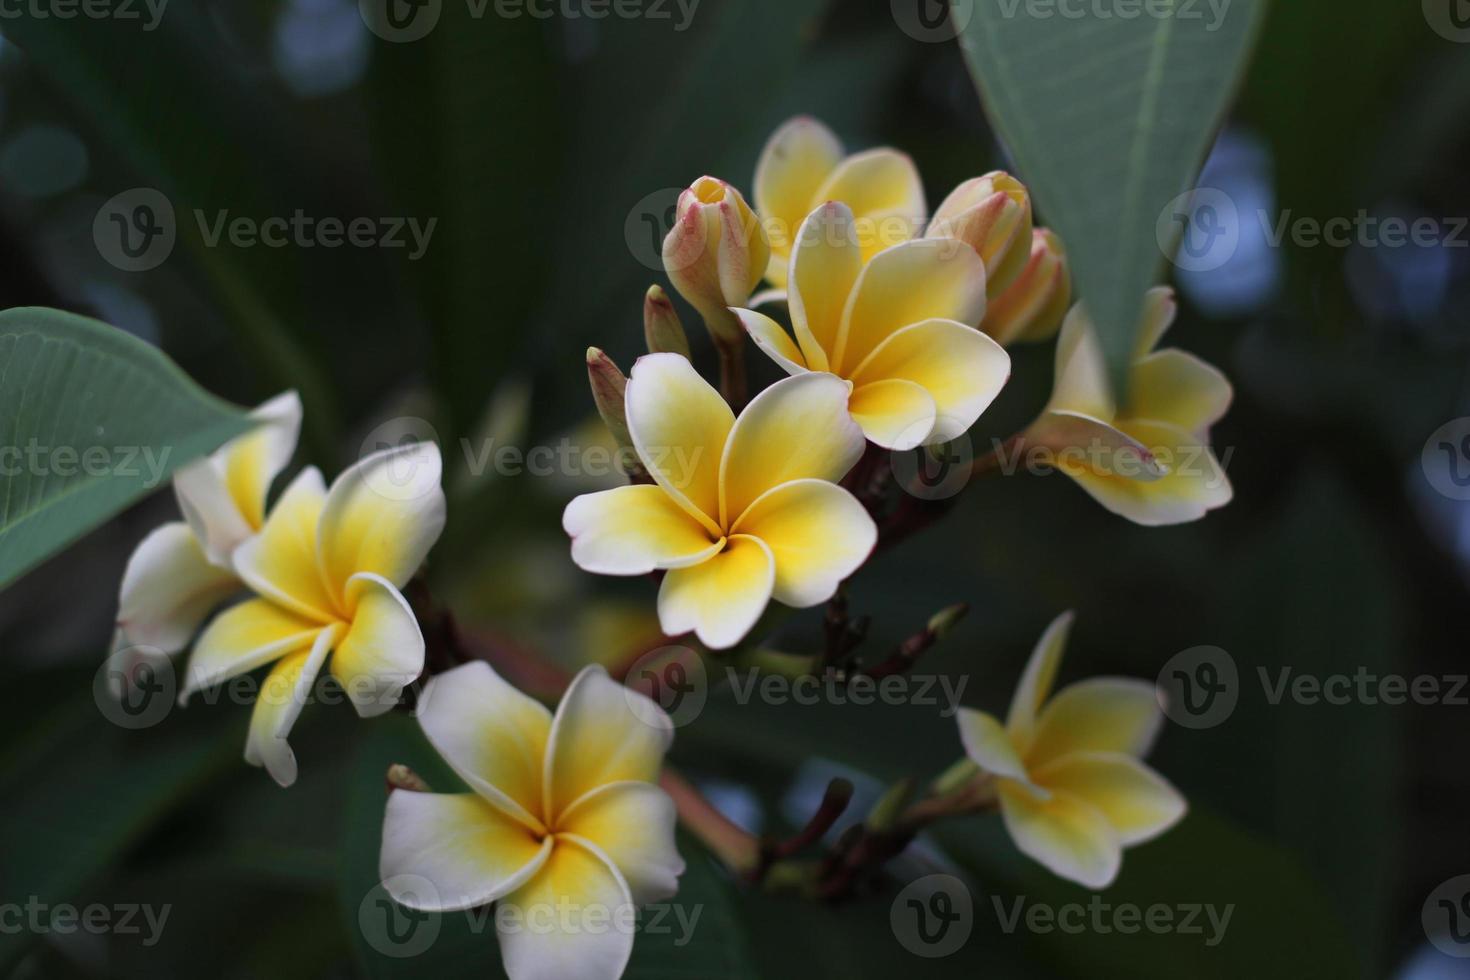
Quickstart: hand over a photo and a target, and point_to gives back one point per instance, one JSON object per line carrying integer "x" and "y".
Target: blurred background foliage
{"x": 538, "y": 146}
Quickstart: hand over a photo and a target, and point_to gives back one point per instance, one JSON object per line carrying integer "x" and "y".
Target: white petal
{"x": 679, "y": 425}
{"x": 818, "y": 534}
{"x": 383, "y": 651}
{"x": 278, "y": 705}
{"x": 1037, "y": 679}
{"x": 988, "y": 745}
{"x": 1064, "y": 833}
{"x": 633, "y": 824}
{"x": 574, "y": 920}
{"x": 168, "y": 588}
{"x": 242, "y": 638}
{"x": 633, "y": 530}
{"x": 719, "y": 600}
{"x": 1138, "y": 802}
{"x": 1100, "y": 714}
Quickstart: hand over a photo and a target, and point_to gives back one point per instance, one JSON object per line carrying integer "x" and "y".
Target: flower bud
{"x": 1032, "y": 307}
{"x": 608, "y": 389}
{"x": 661, "y": 327}
{"x": 991, "y": 214}
{"x": 716, "y": 254}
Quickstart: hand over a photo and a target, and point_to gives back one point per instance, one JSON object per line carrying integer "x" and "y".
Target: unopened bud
{"x": 402, "y": 777}
{"x": 661, "y": 327}
{"x": 609, "y": 387}
{"x": 1033, "y": 306}
{"x": 716, "y": 254}
{"x": 991, "y": 214}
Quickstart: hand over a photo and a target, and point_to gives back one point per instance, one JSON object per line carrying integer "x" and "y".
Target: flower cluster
{"x": 318, "y": 576}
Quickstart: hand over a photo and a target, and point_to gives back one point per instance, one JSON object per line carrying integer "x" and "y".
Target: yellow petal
{"x": 824, "y": 269}
{"x": 1194, "y": 482}
{"x": 773, "y": 341}
{"x": 491, "y": 734}
{"x": 1032, "y": 306}
{"x": 633, "y": 824}
{"x": 1180, "y": 389}
{"x": 1102, "y": 714}
{"x": 818, "y": 534}
{"x": 894, "y": 413}
{"x": 679, "y": 425}
{"x": 989, "y": 746}
{"x": 1138, "y": 802}
{"x": 600, "y": 737}
{"x": 1037, "y": 679}
{"x": 383, "y": 651}
{"x": 927, "y": 279}
{"x": 883, "y": 189}
{"x": 1064, "y": 833}
{"x": 168, "y": 588}
{"x": 991, "y": 214}
{"x": 633, "y": 530}
{"x": 244, "y": 637}
{"x": 278, "y": 704}
{"x": 573, "y": 920}
{"x": 280, "y": 562}
{"x": 794, "y": 164}
{"x": 382, "y": 516}
{"x": 253, "y": 460}
{"x": 1081, "y": 384}
{"x": 961, "y": 368}
{"x": 797, "y": 428}
{"x": 1159, "y": 309}
{"x": 1079, "y": 443}
{"x": 467, "y": 851}
{"x": 720, "y": 599}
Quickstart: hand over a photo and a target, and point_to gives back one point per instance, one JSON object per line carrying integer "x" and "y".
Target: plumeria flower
{"x": 1146, "y": 457}
{"x": 742, "y": 510}
{"x": 182, "y": 570}
{"x": 803, "y": 164}
{"x": 563, "y": 826}
{"x": 900, "y": 329}
{"x": 715, "y": 254}
{"x": 1073, "y": 791}
{"x": 326, "y": 570}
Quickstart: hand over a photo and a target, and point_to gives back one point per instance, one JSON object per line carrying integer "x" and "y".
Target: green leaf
{"x": 91, "y": 418}
{"x": 1108, "y": 120}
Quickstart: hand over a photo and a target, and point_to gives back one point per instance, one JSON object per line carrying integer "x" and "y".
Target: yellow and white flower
{"x": 899, "y": 328}
{"x": 743, "y": 510}
{"x": 803, "y": 165}
{"x": 326, "y": 569}
{"x": 564, "y": 826}
{"x": 1072, "y": 789}
{"x": 715, "y": 254}
{"x": 991, "y": 214}
{"x": 184, "y": 569}
{"x": 1148, "y": 457}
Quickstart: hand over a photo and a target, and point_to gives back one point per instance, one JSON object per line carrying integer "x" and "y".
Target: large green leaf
{"x": 91, "y": 418}
{"x": 1108, "y": 118}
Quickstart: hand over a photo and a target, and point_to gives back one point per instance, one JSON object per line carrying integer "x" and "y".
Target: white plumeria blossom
{"x": 327, "y": 568}
{"x": 564, "y": 825}
{"x": 1073, "y": 791}
{"x": 183, "y": 569}
{"x": 742, "y": 511}
{"x": 900, "y": 328}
